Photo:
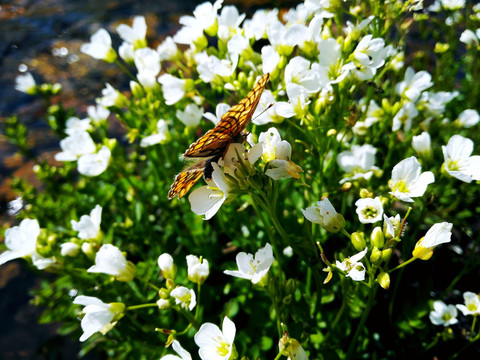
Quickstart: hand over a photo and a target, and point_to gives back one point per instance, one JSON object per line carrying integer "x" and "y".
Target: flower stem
{"x": 141, "y": 306}
{"x": 361, "y": 324}
{"x": 402, "y": 264}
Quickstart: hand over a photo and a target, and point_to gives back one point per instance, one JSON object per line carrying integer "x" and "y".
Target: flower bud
{"x": 376, "y": 238}
{"x": 386, "y": 255}
{"x": 136, "y": 89}
{"x": 166, "y": 264}
{"x": 376, "y": 256}
{"x": 163, "y": 304}
{"x": 69, "y": 249}
{"x": 358, "y": 240}
{"x": 290, "y": 286}
{"x": 197, "y": 269}
{"x": 384, "y": 280}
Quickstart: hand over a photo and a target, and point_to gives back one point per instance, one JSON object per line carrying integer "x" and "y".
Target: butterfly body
{"x": 212, "y": 145}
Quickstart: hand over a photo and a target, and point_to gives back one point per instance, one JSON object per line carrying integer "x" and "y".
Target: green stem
{"x": 190, "y": 318}
{"x": 125, "y": 70}
{"x": 141, "y": 306}
{"x": 402, "y": 264}
{"x": 361, "y": 324}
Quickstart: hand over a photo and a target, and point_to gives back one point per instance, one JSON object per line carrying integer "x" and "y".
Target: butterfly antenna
{"x": 268, "y": 107}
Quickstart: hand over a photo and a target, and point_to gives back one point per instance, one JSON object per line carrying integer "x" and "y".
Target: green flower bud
{"x": 358, "y": 240}
{"x": 384, "y": 280}
{"x": 376, "y": 238}
{"x": 386, "y": 255}
{"x": 376, "y": 256}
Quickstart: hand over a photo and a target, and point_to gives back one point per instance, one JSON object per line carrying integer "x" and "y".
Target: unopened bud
{"x": 384, "y": 280}
{"x": 386, "y": 255}
{"x": 376, "y": 238}
{"x": 358, "y": 240}
{"x": 376, "y": 256}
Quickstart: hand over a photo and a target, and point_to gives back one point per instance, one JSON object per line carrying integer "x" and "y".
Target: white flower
{"x": 298, "y": 72}
{"x": 369, "y": 210}
{"x": 297, "y": 102}
{"x": 391, "y": 226}
{"x": 282, "y": 167}
{"x": 204, "y": 19}
{"x": 15, "y": 206}
{"x": 256, "y": 27}
{"x": 167, "y": 49}
{"x": 458, "y": 162}
{"x": 265, "y": 112}
{"x": 74, "y": 146}
{"x": 184, "y": 354}
{"x": 197, "y": 270}
{"x": 161, "y": 136}
{"x": 414, "y": 84}
{"x": 407, "y": 182}
{"x": 472, "y": 304}
{"x": 470, "y": 38}
{"x": 26, "y": 83}
{"x": 221, "y": 109}
{"x": 438, "y": 5}
{"x": 20, "y": 240}
{"x": 353, "y": 267}
{"x": 358, "y": 162}
{"x": 134, "y": 35}
{"x": 211, "y": 68}
{"x": 229, "y": 22}
{"x": 236, "y": 154}
{"x": 239, "y": 44}
{"x": 253, "y": 267}
{"x": 111, "y": 97}
{"x": 99, "y": 317}
{"x": 213, "y": 343}
{"x": 94, "y": 164}
{"x": 443, "y": 314}
{"x": 110, "y": 260}
{"x": 207, "y": 200}
{"x": 42, "y": 263}
{"x": 404, "y": 117}
{"x": 368, "y": 56}
{"x": 184, "y": 297}
{"x": 468, "y": 118}
{"x": 98, "y": 113}
{"x": 74, "y": 124}
{"x": 147, "y": 62}
{"x": 100, "y": 46}
{"x": 173, "y": 88}
{"x": 167, "y": 266}
{"x": 190, "y": 116}
{"x": 270, "y": 59}
{"x": 126, "y": 52}
{"x": 435, "y": 102}
{"x": 69, "y": 249}
{"x": 422, "y": 144}
{"x": 291, "y": 348}
{"x": 325, "y": 214}
{"x": 89, "y": 225}
{"x": 439, "y": 233}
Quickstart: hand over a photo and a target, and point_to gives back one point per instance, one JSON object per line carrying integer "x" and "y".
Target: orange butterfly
{"x": 214, "y": 142}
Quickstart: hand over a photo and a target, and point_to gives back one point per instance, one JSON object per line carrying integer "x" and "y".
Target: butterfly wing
{"x": 186, "y": 179}
{"x": 233, "y": 122}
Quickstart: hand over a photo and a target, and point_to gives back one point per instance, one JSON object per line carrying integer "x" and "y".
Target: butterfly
{"x": 212, "y": 145}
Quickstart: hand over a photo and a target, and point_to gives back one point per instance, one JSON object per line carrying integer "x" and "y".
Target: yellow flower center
{"x": 223, "y": 348}
{"x": 401, "y": 186}
{"x": 452, "y": 165}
